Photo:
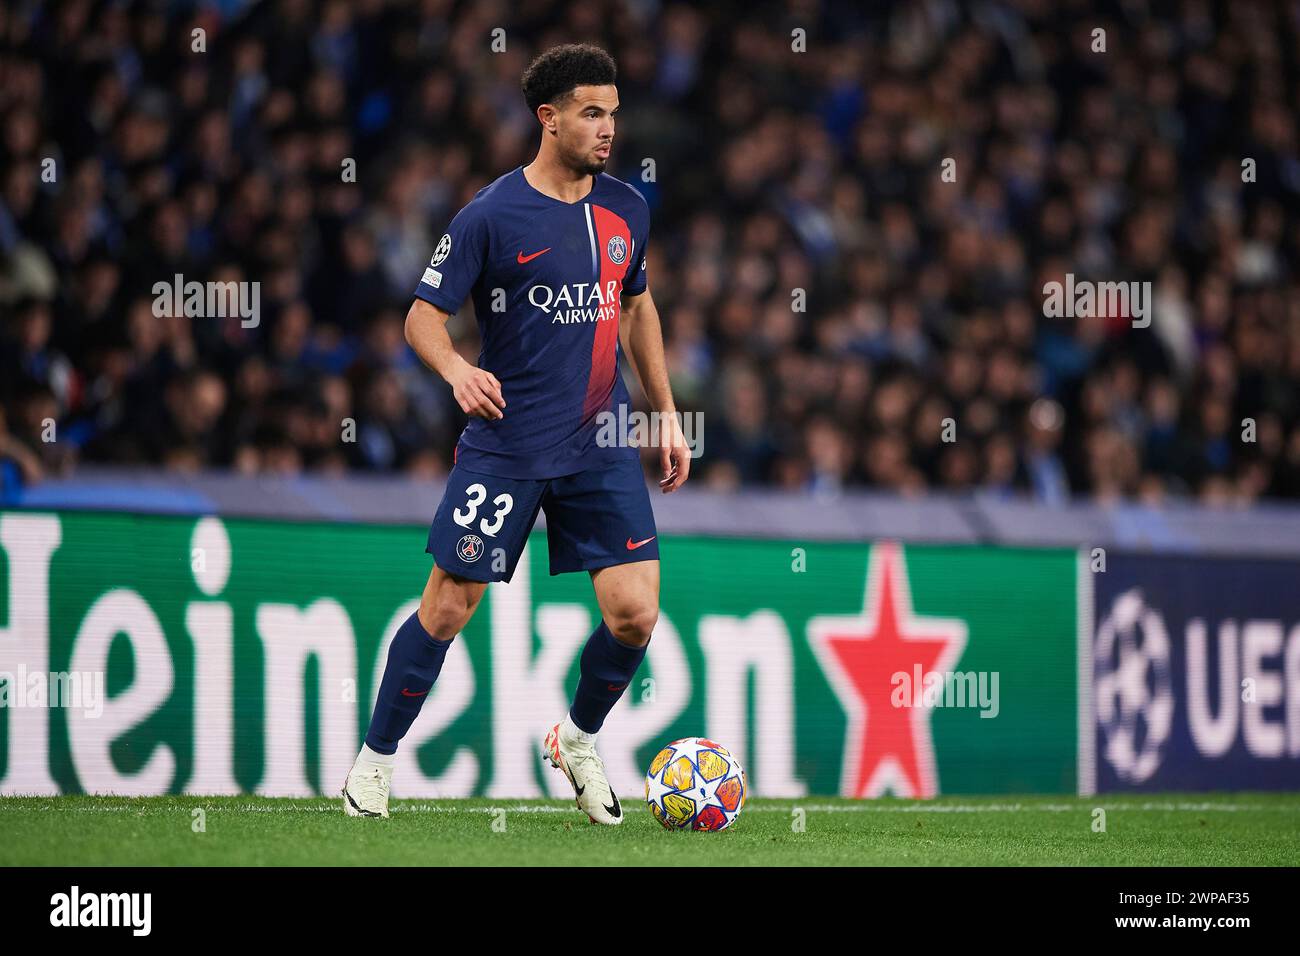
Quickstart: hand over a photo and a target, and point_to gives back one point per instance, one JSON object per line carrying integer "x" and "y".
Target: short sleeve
{"x": 457, "y": 260}
{"x": 634, "y": 283}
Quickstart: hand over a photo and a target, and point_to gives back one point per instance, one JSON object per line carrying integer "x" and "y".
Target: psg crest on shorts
{"x": 469, "y": 548}
{"x": 617, "y": 250}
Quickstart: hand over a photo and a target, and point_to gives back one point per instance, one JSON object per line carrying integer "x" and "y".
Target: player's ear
{"x": 546, "y": 115}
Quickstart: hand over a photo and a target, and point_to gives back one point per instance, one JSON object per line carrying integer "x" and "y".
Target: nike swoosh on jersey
{"x": 521, "y": 258}
{"x": 632, "y": 547}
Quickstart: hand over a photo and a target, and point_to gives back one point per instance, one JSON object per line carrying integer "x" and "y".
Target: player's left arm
{"x": 643, "y": 341}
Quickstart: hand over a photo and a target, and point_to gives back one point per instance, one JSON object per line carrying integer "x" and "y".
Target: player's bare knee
{"x": 441, "y": 620}
{"x": 428, "y": 614}
{"x": 445, "y": 613}
{"x": 634, "y": 625}
{"x": 448, "y": 602}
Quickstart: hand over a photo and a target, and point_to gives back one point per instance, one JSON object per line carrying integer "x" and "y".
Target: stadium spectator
{"x": 849, "y": 245}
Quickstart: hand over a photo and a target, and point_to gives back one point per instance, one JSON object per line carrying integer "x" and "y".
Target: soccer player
{"x": 554, "y": 256}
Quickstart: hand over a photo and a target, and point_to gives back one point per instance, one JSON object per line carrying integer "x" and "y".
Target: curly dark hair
{"x": 553, "y": 75}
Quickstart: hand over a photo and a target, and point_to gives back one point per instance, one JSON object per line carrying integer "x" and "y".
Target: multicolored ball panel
{"x": 695, "y": 784}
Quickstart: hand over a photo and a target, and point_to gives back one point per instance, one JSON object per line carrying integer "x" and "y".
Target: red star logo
{"x": 886, "y": 746}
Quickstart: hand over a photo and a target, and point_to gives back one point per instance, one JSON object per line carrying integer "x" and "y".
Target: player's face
{"x": 585, "y": 128}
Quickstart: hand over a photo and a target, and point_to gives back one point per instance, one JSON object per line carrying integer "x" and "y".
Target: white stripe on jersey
{"x": 591, "y": 234}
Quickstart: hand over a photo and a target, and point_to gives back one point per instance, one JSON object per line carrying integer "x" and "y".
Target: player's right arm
{"x": 477, "y": 390}
{"x": 456, "y": 265}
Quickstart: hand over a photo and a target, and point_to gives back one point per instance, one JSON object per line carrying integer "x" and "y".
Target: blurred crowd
{"x": 855, "y": 208}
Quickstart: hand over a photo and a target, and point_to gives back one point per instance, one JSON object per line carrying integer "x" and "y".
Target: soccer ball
{"x": 695, "y": 784}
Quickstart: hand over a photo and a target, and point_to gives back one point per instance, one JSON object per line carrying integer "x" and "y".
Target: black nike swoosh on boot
{"x": 367, "y": 813}
{"x": 615, "y": 810}
{"x": 577, "y": 789}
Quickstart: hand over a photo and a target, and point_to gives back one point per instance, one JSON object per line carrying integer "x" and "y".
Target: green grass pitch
{"x": 1140, "y": 830}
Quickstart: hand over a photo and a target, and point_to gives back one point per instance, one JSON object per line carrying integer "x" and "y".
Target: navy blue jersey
{"x": 546, "y": 278}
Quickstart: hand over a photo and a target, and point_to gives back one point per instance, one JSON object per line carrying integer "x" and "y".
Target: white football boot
{"x": 573, "y": 751}
{"x": 365, "y": 793}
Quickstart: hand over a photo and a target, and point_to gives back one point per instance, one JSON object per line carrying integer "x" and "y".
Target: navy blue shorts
{"x": 594, "y": 519}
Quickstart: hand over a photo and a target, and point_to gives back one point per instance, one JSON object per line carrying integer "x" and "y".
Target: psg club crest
{"x": 469, "y": 548}
{"x": 617, "y": 250}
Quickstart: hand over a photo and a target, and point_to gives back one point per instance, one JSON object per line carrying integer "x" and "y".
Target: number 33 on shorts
{"x": 482, "y": 524}
{"x": 477, "y": 495}
{"x": 594, "y": 519}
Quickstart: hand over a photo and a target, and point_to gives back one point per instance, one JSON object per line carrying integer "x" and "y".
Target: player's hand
{"x": 477, "y": 392}
{"x": 674, "y": 456}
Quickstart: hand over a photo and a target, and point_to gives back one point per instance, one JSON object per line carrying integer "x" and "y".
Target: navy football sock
{"x": 607, "y": 667}
{"x": 414, "y": 660}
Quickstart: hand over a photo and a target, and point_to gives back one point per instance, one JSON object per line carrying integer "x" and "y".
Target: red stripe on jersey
{"x": 604, "y": 346}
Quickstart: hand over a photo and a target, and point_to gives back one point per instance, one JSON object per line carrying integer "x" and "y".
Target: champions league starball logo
{"x": 442, "y": 251}
{"x": 617, "y": 250}
{"x": 469, "y": 548}
{"x": 1133, "y": 689}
